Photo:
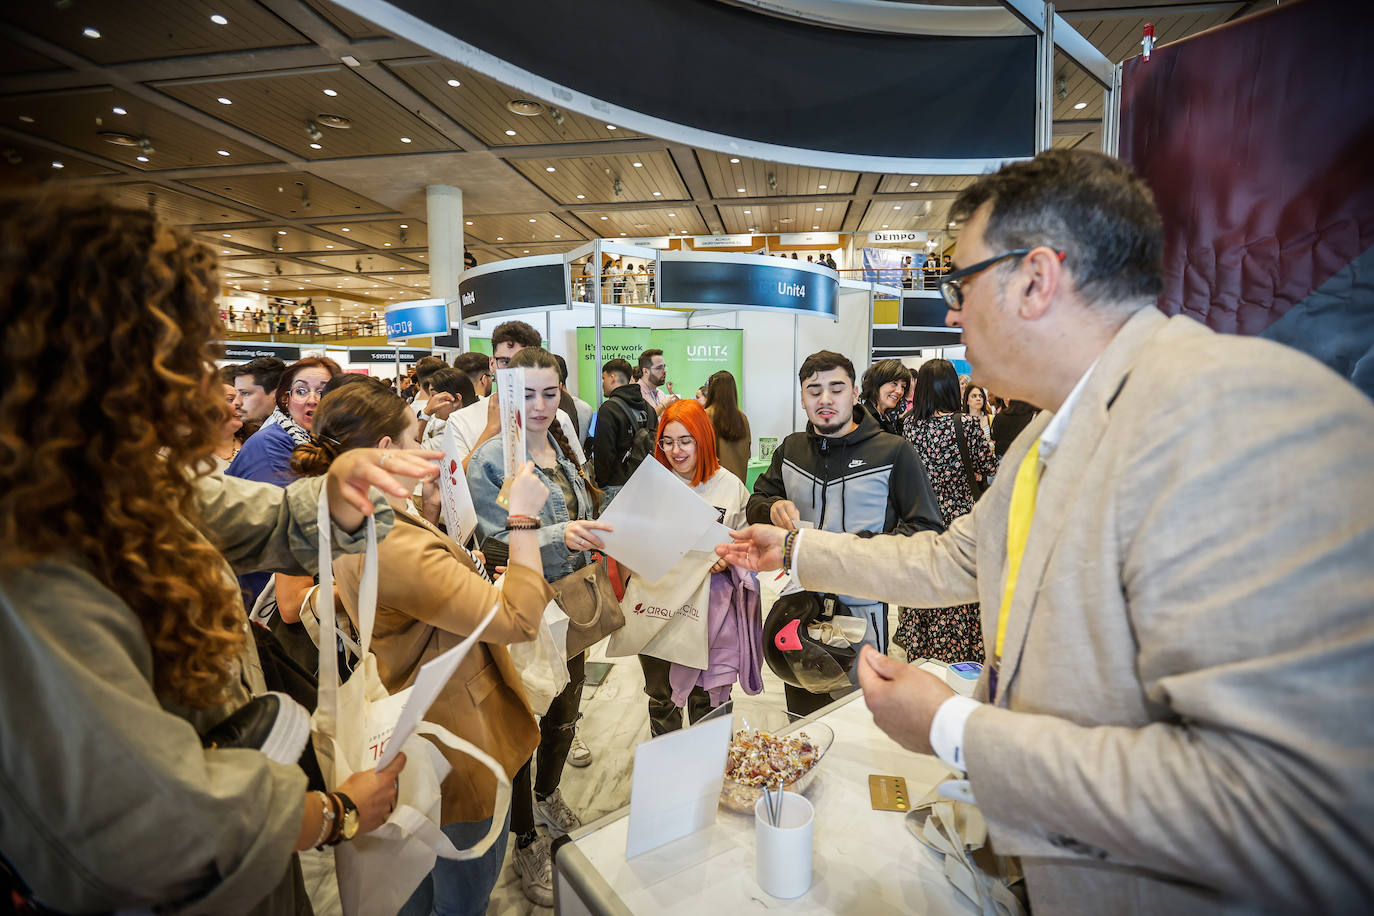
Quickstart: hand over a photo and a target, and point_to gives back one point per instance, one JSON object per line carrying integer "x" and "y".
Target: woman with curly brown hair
{"x": 122, "y": 625}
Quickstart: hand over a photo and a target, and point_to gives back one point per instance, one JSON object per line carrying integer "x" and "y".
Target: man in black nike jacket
{"x": 843, "y": 473}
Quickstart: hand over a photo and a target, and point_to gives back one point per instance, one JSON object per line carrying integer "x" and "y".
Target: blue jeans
{"x": 461, "y": 888}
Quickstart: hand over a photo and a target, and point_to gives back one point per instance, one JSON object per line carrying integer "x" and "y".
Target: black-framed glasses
{"x": 952, "y": 283}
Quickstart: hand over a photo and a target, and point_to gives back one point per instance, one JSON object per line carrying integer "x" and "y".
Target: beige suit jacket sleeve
{"x": 924, "y": 569}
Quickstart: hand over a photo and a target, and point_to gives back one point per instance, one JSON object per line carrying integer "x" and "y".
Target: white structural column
{"x": 444, "y": 213}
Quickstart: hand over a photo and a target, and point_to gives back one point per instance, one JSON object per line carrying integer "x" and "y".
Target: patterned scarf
{"x": 297, "y": 433}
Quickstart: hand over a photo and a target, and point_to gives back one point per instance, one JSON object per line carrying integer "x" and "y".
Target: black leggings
{"x": 664, "y": 715}
{"x": 556, "y": 732}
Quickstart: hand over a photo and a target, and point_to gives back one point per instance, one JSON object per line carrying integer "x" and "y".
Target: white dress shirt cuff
{"x": 947, "y": 730}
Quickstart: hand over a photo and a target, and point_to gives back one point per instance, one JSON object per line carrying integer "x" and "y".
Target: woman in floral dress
{"x": 949, "y": 634}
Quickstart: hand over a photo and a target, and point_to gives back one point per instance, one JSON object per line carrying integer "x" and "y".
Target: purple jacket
{"x": 734, "y": 628}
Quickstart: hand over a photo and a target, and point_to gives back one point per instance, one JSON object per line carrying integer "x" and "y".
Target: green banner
{"x": 479, "y": 345}
{"x": 691, "y": 354}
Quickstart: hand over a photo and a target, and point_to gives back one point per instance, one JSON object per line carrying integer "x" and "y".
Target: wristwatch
{"x": 348, "y": 821}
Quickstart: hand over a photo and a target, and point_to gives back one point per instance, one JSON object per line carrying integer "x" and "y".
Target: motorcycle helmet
{"x": 794, "y": 656}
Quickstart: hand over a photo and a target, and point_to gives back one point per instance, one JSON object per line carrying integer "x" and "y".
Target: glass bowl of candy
{"x": 768, "y": 748}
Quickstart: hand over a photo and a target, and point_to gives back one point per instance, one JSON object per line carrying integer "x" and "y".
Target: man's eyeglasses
{"x": 502, "y": 362}
{"x": 300, "y": 392}
{"x": 952, "y": 284}
{"x": 684, "y": 442}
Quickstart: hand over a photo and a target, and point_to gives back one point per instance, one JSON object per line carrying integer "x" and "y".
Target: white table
{"x": 865, "y": 861}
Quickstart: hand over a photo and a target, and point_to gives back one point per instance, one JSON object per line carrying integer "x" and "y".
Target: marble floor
{"x": 615, "y": 719}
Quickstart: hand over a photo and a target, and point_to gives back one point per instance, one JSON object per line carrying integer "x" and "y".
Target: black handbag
{"x": 976, "y": 487}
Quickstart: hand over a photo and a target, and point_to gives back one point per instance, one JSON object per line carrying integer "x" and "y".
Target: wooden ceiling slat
{"x": 281, "y": 194}
{"x": 147, "y": 31}
{"x": 279, "y": 106}
{"x": 479, "y": 105}
{"x": 595, "y": 177}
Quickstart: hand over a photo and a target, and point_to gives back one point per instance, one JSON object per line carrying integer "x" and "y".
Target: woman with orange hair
{"x": 687, "y": 447}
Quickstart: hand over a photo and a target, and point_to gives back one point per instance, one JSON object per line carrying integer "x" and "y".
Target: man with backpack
{"x": 624, "y": 429}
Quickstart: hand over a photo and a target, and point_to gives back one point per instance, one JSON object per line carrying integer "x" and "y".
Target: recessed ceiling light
{"x": 623, "y": 233}
{"x": 819, "y": 209}
{"x": 27, "y": 119}
{"x": 281, "y": 232}
{"x": 733, "y": 160}
{"x": 386, "y": 244}
{"x": 884, "y": 225}
{"x": 527, "y": 251}
{"x": 821, "y": 186}
{"x": 951, "y": 225}
{"x": 217, "y": 19}
{"x": 639, "y": 165}
{"x": 610, "y": 127}
{"x": 222, "y": 152}
{"x": 739, "y": 190}
{"x": 672, "y": 214}
{"x": 582, "y": 197}
{"x": 141, "y": 158}
{"x": 557, "y": 236}
{"x": 119, "y": 110}
{"x": 658, "y": 193}
{"x": 500, "y": 239}
{"x": 405, "y": 139}
{"x": 327, "y": 246}
{"x": 57, "y": 165}
{"x": 913, "y": 184}
{"x": 316, "y": 146}
{"x": 815, "y": 227}
{"x": 1080, "y": 106}
{"x": 510, "y": 133}
{"x": 746, "y": 212}
{"x": 605, "y": 217}
{"x": 531, "y": 219}
{"x": 896, "y": 206}
{"x": 90, "y": 32}
{"x": 226, "y": 235}
{"x": 469, "y": 222}
{"x": 223, "y": 101}
{"x": 405, "y": 225}
{"x": 330, "y": 92}
{"x": 345, "y": 229}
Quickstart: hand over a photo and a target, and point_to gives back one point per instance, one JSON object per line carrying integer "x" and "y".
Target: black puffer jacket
{"x": 867, "y": 482}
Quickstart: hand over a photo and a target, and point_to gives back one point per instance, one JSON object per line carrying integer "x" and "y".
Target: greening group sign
{"x": 692, "y": 355}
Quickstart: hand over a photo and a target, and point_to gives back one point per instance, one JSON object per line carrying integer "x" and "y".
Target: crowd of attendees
{"x": 159, "y": 541}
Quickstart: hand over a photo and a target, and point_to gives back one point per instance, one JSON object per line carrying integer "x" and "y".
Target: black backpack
{"x": 641, "y": 436}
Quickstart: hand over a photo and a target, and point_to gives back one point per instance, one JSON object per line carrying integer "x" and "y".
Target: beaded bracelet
{"x": 787, "y": 543}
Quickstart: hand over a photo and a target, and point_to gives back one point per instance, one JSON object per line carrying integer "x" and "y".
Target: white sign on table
{"x": 677, "y": 783}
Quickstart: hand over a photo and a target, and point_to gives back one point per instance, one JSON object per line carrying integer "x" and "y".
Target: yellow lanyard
{"x": 1018, "y": 528}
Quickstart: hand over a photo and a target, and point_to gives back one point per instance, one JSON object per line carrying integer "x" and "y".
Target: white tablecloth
{"x": 865, "y": 861}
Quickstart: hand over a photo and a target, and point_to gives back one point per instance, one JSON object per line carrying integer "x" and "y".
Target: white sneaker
{"x": 534, "y": 865}
{"x": 579, "y": 755}
{"x": 555, "y": 814}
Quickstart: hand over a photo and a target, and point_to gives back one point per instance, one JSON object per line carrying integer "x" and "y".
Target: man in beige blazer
{"x": 1182, "y": 719}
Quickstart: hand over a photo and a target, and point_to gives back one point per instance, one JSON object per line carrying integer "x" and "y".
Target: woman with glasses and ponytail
{"x": 431, "y": 594}
{"x": 567, "y": 536}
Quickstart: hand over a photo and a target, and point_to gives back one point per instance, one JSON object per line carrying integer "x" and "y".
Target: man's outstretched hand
{"x": 757, "y": 547}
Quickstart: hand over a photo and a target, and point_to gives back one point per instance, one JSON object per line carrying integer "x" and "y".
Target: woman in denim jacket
{"x": 567, "y": 535}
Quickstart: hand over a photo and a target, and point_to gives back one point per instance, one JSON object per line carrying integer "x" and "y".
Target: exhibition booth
{"x": 754, "y": 315}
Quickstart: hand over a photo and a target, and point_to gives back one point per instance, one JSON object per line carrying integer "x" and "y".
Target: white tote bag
{"x": 667, "y": 618}
{"x": 542, "y": 662}
{"x": 351, "y": 726}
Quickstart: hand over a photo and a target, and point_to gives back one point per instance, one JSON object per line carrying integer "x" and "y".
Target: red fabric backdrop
{"x": 1258, "y": 140}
